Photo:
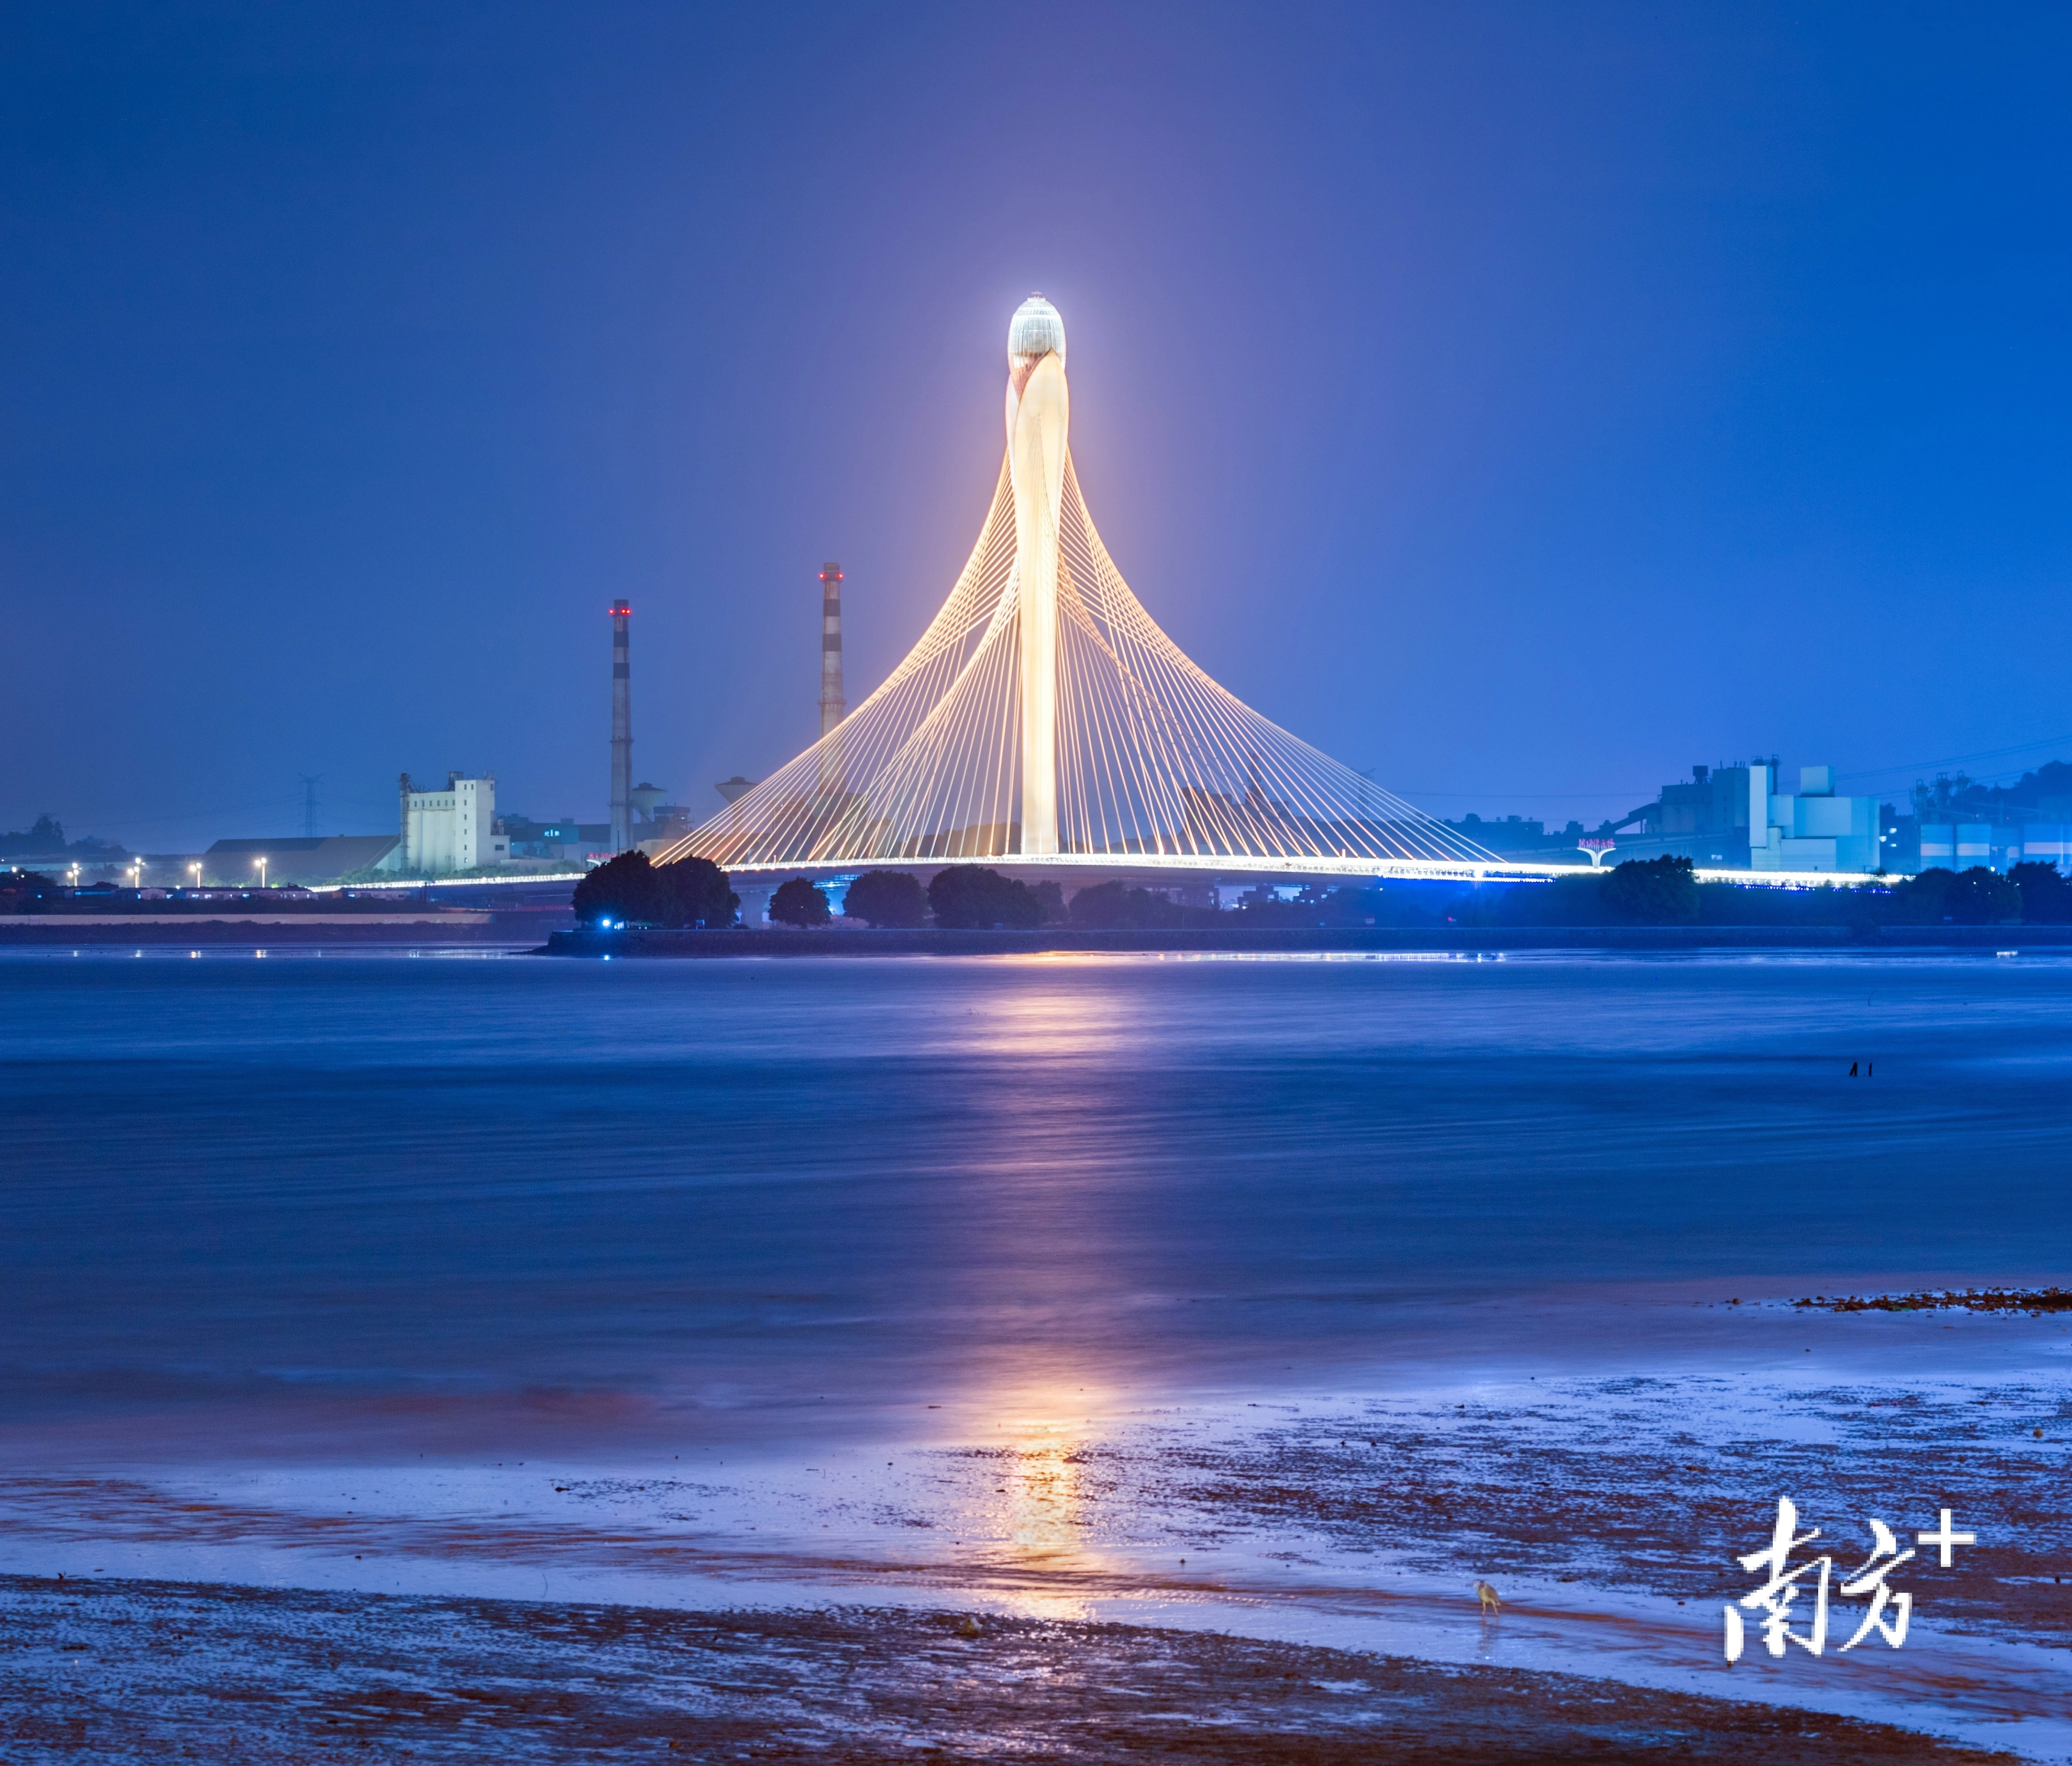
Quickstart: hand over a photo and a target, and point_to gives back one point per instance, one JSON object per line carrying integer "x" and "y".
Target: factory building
{"x": 1716, "y": 818}
{"x": 1734, "y": 819}
{"x": 1958, "y": 845}
{"x": 277, "y": 860}
{"x": 1816, "y": 831}
{"x": 453, "y": 829}
{"x": 564, "y": 841}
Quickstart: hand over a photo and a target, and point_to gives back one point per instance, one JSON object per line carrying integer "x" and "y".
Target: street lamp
{"x": 195, "y": 869}
{"x": 136, "y": 874}
{"x": 75, "y": 876}
{"x": 261, "y": 863}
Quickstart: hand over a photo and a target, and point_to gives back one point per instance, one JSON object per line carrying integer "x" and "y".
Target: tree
{"x": 1981, "y": 896}
{"x": 1652, "y": 892}
{"x": 622, "y": 889}
{"x": 887, "y": 898}
{"x": 1977, "y": 897}
{"x": 2046, "y": 895}
{"x": 797, "y": 902}
{"x": 1101, "y": 906}
{"x": 632, "y": 889}
{"x": 694, "y": 892}
{"x": 1113, "y": 906}
{"x": 1351, "y": 906}
{"x": 28, "y": 892}
{"x": 967, "y": 896}
{"x": 48, "y": 837}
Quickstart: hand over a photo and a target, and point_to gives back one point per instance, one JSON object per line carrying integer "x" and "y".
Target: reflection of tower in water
{"x": 1043, "y": 1482}
{"x": 1043, "y": 1474}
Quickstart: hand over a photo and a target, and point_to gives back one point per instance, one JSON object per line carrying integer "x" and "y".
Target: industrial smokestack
{"x": 622, "y": 732}
{"x": 834, "y": 706}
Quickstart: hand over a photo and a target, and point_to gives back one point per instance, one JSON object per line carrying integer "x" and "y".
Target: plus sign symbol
{"x": 1943, "y": 1538}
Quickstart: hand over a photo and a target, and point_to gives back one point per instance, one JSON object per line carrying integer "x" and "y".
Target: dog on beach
{"x": 1487, "y": 1596}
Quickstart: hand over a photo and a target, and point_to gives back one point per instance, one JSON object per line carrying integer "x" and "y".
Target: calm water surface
{"x": 245, "y": 1197}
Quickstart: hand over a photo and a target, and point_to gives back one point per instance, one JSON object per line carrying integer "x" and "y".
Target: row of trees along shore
{"x": 691, "y": 892}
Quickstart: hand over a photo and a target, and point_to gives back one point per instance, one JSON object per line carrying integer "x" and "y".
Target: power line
{"x": 1955, "y": 760}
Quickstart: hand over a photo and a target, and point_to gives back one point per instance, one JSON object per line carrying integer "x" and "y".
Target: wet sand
{"x": 123, "y": 1671}
{"x": 1607, "y": 1509}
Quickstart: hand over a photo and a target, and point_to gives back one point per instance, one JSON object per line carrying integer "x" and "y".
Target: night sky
{"x": 1524, "y": 402}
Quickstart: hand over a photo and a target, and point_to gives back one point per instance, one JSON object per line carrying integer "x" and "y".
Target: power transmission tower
{"x": 310, "y": 781}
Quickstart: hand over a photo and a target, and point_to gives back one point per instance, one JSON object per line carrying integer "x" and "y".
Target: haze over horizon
{"x": 1522, "y": 404}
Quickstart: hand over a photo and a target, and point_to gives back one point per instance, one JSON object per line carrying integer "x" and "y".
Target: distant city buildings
{"x": 1721, "y": 818}
{"x": 1531, "y": 842}
{"x": 1736, "y": 818}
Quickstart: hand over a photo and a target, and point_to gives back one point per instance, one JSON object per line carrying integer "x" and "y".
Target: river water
{"x": 733, "y": 1186}
{"x": 265, "y": 1216}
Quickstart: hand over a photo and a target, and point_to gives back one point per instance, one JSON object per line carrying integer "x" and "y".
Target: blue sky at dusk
{"x": 1521, "y": 401}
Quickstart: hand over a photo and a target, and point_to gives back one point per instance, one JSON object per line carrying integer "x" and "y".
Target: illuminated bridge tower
{"x": 1039, "y": 412}
{"x": 1045, "y": 717}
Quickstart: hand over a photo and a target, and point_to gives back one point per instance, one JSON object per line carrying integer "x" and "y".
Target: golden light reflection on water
{"x": 1042, "y": 1497}
{"x": 1047, "y": 1013}
{"x": 1038, "y": 1508}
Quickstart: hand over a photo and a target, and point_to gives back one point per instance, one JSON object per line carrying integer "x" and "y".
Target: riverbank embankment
{"x": 139, "y": 931}
{"x": 937, "y": 941}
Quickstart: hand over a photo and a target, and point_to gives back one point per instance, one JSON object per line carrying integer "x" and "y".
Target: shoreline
{"x": 459, "y": 930}
{"x": 934, "y": 941}
{"x": 521, "y": 931}
{"x": 1605, "y": 1506}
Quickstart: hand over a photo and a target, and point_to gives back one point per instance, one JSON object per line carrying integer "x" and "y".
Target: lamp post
{"x": 136, "y": 874}
{"x": 261, "y": 863}
{"x": 75, "y": 876}
{"x": 195, "y": 868}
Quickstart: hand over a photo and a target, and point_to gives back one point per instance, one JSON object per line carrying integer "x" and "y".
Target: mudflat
{"x": 141, "y": 1671}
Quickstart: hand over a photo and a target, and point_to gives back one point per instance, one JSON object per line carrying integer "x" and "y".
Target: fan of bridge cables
{"x": 1153, "y": 757}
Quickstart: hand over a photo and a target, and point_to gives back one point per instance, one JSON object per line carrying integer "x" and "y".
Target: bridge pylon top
{"x": 1045, "y": 713}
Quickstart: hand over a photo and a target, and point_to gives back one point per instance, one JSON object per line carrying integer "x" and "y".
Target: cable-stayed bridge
{"x": 1044, "y": 719}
